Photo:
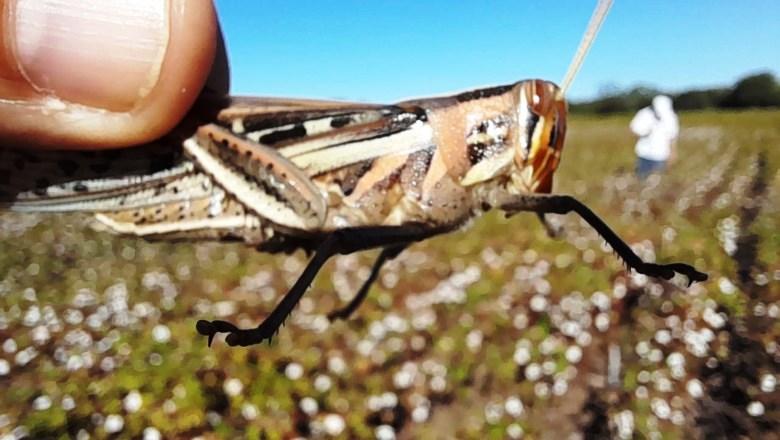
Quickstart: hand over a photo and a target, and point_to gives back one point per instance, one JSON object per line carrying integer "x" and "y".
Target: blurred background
{"x": 493, "y": 332}
{"x": 388, "y": 51}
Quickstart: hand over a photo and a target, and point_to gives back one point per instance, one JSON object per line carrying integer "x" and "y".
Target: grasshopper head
{"x": 541, "y": 122}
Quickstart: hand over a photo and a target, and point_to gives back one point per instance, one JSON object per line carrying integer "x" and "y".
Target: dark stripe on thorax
{"x": 397, "y": 123}
{"x": 298, "y": 131}
{"x": 264, "y": 121}
{"x": 483, "y": 93}
{"x": 352, "y": 174}
{"x": 418, "y": 164}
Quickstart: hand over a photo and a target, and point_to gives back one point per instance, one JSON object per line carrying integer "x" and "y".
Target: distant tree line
{"x": 759, "y": 90}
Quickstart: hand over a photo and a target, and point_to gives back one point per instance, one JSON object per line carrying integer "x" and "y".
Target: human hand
{"x": 99, "y": 74}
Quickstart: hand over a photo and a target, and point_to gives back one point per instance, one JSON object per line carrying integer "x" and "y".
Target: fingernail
{"x": 100, "y": 53}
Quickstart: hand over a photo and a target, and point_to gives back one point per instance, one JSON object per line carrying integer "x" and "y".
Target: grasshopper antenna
{"x": 596, "y": 20}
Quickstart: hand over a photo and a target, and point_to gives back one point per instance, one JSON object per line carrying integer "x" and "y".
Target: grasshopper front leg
{"x": 562, "y": 204}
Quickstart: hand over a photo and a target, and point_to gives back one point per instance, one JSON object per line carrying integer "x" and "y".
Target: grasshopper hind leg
{"x": 213, "y": 216}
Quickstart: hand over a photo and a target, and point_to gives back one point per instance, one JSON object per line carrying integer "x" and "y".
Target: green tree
{"x": 700, "y": 99}
{"x": 761, "y": 90}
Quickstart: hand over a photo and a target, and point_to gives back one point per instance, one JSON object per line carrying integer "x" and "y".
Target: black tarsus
{"x": 211, "y": 328}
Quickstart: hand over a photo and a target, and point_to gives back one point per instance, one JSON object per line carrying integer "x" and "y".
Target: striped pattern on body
{"x": 296, "y": 167}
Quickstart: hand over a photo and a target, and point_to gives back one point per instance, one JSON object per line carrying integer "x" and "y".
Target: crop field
{"x": 496, "y": 331}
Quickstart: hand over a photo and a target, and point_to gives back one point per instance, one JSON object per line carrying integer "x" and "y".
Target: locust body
{"x": 270, "y": 171}
{"x": 328, "y": 177}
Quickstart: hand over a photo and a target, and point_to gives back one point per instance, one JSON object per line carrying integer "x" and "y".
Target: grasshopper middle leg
{"x": 553, "y": 230}
{"x": 345, "y": 241}
{"x": 387, "y": 254}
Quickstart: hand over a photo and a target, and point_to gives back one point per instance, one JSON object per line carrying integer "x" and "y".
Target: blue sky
{"x": 383, "y": 51}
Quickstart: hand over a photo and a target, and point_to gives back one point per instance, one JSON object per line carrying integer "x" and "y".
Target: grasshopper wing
{"x": 259, "y": 154}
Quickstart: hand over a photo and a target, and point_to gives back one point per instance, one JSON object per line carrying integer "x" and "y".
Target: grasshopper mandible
{"x": 327, "y": 177}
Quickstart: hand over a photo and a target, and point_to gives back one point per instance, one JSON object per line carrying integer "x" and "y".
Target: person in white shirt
{"x": 657, "y": 128}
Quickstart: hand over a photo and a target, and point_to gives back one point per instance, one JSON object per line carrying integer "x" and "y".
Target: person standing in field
{"x": 657, "y": 128}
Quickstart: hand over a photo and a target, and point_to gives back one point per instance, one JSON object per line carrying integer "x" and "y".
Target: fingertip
{"x": 185, "y": 69}
{"x": 218, "y": 81}
{"x": 64, "y": 115}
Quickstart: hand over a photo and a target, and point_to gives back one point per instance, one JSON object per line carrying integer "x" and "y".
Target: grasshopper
{"x": 326, "y": 177}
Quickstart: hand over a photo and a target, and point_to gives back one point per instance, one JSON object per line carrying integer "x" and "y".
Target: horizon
{"x": 386, "y": 51}
{"x": 606, "y": 93}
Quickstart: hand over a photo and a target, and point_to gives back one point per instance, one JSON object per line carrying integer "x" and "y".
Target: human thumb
{"x": 100, "y": 73}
